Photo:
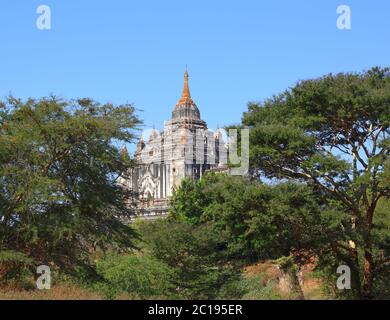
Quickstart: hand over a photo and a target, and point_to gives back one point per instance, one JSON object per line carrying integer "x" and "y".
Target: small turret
{"x": 218, "y": 134}
{"x": 153, "y": 135}
{"x": 140, "y": 145}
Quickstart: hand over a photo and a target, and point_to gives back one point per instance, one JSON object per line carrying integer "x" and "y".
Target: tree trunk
{"x": 356, "y": 273}
{"x": 368, "y": 275}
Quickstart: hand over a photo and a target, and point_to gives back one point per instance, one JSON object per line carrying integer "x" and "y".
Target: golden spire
{"x": 186, "y": 96}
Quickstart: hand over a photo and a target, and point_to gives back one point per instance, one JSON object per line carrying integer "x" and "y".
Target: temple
{"x": 185, "y": 148}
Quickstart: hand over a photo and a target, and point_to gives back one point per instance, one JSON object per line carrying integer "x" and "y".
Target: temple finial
{"x": 186, "y": 90}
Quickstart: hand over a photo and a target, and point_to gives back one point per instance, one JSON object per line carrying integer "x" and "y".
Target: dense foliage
{"x": 260, "y": 221}
{"x": 333, "y": 133}
{"x": 197, "y": 256}
{"x": 138, "y": 276}
{"x": 59, "y": 164}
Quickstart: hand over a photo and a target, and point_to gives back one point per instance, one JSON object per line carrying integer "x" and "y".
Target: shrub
{"x": 197, "y": 254}
{"x": 138, "y": 276}
{"x": 15, "y": 266}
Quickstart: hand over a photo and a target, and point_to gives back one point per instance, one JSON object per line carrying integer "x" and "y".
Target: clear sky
{"x": 136, "y": 51}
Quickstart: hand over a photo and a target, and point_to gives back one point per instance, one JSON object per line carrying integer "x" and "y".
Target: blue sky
{"x": 136, "y": 51}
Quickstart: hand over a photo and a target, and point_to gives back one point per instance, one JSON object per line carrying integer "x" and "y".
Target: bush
{"x": 15, "y": 267}
{"x": 139, "y": 276}
{"x": 197, "y": 254}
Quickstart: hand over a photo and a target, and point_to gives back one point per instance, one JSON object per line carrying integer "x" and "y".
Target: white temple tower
{"x": 185, "y": 148}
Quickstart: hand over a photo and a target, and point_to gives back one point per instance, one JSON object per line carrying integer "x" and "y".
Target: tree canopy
{"x": 333, "y": 134}
{"x": 259, "y": 221}
{"x": 59, "y": 164}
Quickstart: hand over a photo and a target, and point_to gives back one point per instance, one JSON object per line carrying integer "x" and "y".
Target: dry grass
{"x": 59, "y": 292}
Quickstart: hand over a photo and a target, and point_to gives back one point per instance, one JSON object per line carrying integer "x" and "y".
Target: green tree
{"x": 333, "y": 134}
{"x": 259, "y": 221}
{"x": 196, "y": 254}
{"x": 59, "y": 165}
{"x": 188, "y": 201}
